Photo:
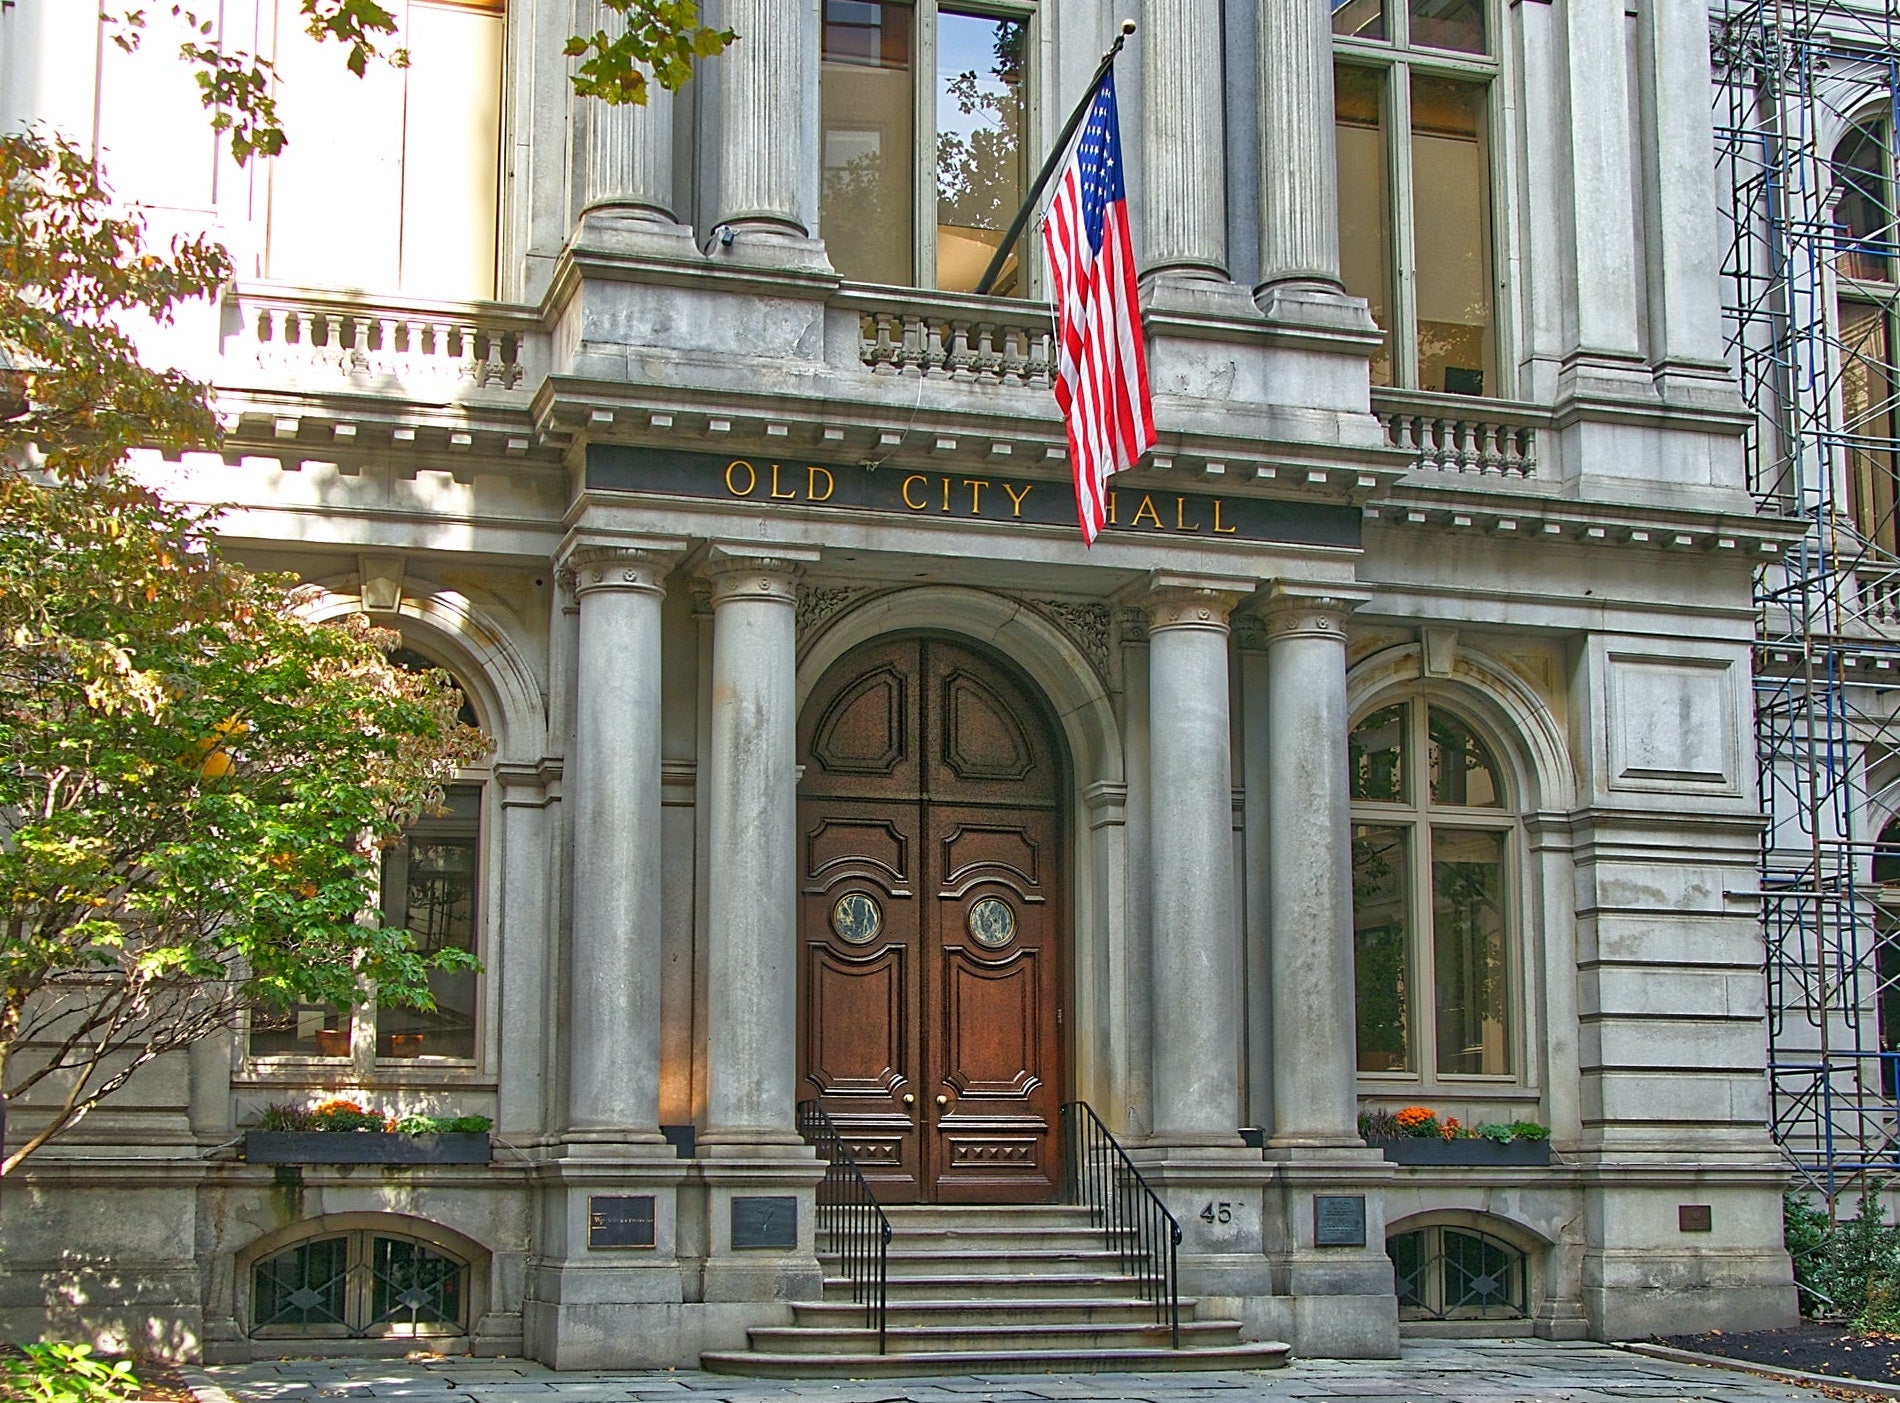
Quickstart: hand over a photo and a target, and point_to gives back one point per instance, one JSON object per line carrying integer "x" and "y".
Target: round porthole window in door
{"x": 857, "y": 918}
{"x": 991, "y": 923}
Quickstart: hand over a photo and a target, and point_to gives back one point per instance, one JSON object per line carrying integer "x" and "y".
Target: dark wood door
{"x": 930, "y": 922}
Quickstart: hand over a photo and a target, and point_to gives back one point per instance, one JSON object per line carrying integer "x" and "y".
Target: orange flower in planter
{"x": 1417, "y": 1120}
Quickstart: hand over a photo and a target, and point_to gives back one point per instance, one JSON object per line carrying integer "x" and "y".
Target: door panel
{"x": 930, "y": 920}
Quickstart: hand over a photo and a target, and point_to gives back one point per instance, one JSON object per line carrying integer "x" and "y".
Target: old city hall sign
{"x": 784, "y": 483}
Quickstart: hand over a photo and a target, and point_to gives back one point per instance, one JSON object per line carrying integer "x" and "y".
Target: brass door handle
{"x": 943, "y": 1100}
{"x": 909, "y": 1099}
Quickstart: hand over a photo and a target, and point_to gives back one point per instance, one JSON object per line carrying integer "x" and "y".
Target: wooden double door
{"x": 931, "y": 927}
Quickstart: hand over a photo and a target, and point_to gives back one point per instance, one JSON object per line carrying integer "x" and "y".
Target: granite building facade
{"x": 1391, "y": 748}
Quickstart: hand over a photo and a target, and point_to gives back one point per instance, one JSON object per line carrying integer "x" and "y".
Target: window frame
{"x": 923, "y": 70}
{"x": 1395, "y": 58}
{"x": 359, "y": 1289}
{"x": 1419, "y": 817}
{"x": 1881, "y": 298}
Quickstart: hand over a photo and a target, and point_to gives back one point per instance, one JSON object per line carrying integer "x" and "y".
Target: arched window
{"x": 432, "y": 888}
{"x": 1431, "y": 846}
{"x": 351, "y": 1285}
{"x": 390, "y": 182}
{"x": 1456, "y": 1273}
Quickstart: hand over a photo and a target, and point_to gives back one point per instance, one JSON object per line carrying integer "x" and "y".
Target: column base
{"x": 637, "y": 231}
{"x": 1332, "y": 1301}
{"x": 758, "y": 242}
{"x": 760, "y": 1225}
{"x": 1189, "y": 291}
{"x": 1315, "y": 306}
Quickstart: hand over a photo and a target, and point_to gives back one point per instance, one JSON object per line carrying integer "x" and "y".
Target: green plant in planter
{"x": 445, "y": 1125}
{"x": 1504, "y": 1133}
{"x": 64, "y": 1373}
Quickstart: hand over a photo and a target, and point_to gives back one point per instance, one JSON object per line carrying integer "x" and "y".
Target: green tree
{"x": 238, "y": 87}
{"x": 196, "y": 780}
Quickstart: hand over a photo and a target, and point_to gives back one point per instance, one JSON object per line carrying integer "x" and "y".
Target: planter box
{"x": 1422, "y": 1149}
{"x": 363, "y": 1147}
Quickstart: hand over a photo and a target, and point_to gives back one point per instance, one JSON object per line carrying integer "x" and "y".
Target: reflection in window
{"x": 1863, "y": 215}
{"x": 1412, "y": 122}
{"x": 1430, "y": 893}
{"x": 429, "y": 889}
{"x": 967, "y": 170}
{"x": 357, "y": 1284}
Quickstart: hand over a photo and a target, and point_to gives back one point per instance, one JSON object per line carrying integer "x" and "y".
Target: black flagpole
{"x": 1055, "y": 159}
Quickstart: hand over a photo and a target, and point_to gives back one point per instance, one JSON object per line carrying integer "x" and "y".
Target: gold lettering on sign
{"x": 1147, "y": 509}
{"x": 1111, "y": 507}
{"x": 812, "y": 474}
{"x": 976, "y": 486}
{"x": 751, "y": 478}
{"x": 914, "y": 506}
{"x": 1218, "y": 528}
{"x": 946, "y": 494}
{"x": 777, "y": 495}
{"x": 1180, "y": 511}
{"x": 1016, "y": 498}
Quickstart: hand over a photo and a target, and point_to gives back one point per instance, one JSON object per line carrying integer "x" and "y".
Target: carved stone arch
{"x": 474, "y": 640}
{"x": 1524, "y": 734}
{"x": 1521, "y": 1236}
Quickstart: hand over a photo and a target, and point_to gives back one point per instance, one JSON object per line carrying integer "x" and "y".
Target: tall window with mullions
{"x": 1412, "y": 86}
{"x": 1864, "y": 255}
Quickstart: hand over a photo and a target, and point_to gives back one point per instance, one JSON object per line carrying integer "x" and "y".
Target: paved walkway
{"x": 1489, "y": 1371}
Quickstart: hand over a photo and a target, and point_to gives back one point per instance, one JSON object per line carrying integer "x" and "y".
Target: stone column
{"x": 1299, "y": 197}
{"x": 613, "y": 1024}
{"x": 752, "y": 882}
{"x": 629, "y": 166}
{"x": 1309, "y": 870}
{"x": 1196, "y": 938}
{"x": 763, "y": 149}
{"x": 1184, "y": 226}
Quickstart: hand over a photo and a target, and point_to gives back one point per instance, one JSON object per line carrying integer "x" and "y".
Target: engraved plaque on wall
{"x": 1339, "y": 1220}
{"x": 1695, "y": 1217}
{"x": 619, "y": 1221}
{"x": 765, "y": 1223}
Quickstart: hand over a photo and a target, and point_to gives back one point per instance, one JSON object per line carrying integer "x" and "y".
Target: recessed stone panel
{"x": 1672, "y": 722}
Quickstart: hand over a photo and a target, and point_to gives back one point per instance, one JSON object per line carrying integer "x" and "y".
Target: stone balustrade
{"x": 985, "y": 340}
{"x": 412, "y": 350}
{"x": 1450, "y": 434}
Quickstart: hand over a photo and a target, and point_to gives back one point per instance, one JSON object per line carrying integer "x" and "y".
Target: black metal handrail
{"x": 855, "y": 1229}
{"x": 1134, "y": 1220}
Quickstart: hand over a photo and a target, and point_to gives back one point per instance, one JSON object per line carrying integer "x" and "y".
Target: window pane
{"x": 865, "y": 203}
{"x": 1462, "y": 771}
{"x": 1365, "y": 210}
{"x": 1363, "y": 19}
{"x": 1451, "y": 221}
{"x": 1449, "y": 24}
{"x": 1469, "y": 977}
{"x": 308, "y": 1030}
{"x": 1484, "y": 1278}
{"x": 981, "y": 111}
{"x": 1862, "y": 219}
{"x": 1867, "y": 419}
{"x": 1409, "y": 1262}
{"x": 451, "y": 150}
{"x": 1381, "y": 944}
{"x": 410, "y": 1285}
{"x": 1376, "y": 756}
{"x": 302, "y": 1287}
{"x": 429, "y": 890}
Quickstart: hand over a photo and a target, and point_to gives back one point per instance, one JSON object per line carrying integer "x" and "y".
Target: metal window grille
{"x": 1446, "y": 1273}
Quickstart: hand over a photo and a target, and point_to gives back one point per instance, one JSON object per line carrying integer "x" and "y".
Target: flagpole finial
{"x": 1128, "y": 26}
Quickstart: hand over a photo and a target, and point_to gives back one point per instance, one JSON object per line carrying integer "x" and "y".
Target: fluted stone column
{"x": 613, "y": 1025}
{"x": 1299, "y": 197}
{"x": 630, "y": 149}
{"x": 763, "y": 146}
{"x": 1184, "y": 225}
{"x": 1309, "y": 870}
{"x": 752, "y": 884}
{"x": 1196, "y": 932}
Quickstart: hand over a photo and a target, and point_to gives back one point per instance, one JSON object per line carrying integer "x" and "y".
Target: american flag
{"x": 1101, "y": 368}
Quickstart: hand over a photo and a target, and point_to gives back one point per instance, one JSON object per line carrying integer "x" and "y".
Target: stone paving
{"x": 1487, "y": 1371}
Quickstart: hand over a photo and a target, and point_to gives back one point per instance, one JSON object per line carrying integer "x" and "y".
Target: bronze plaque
{"x": 619, "y": 1221}
{"x": 1339, "y": 1220}
{"x": 1695, "y": 1217}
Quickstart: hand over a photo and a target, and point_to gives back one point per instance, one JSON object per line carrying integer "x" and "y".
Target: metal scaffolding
{"x": 1805, "y": 120}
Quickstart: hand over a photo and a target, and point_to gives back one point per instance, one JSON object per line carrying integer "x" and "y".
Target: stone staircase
{"x": 985, "y": 1289}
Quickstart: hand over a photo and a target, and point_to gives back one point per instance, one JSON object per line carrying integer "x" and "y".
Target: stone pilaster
{"x": 1184, "y": 225}
{"x": 1196, "y": 935}
{"x": 1598, "y": 213}
{"x": 613, "y": 1024}
{"x": 523, "y": 953}
{"x": 1299, "y": 198}
{"x": 1309, "y": 871}
{"x": 752, "y": 902}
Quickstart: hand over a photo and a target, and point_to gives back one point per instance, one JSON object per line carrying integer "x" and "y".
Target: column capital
{"x": 1192, "y": 601}
{"x": 748, "y": 571}
{"x": 1305, "y": 611}
{"x": 587, "y": 567}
